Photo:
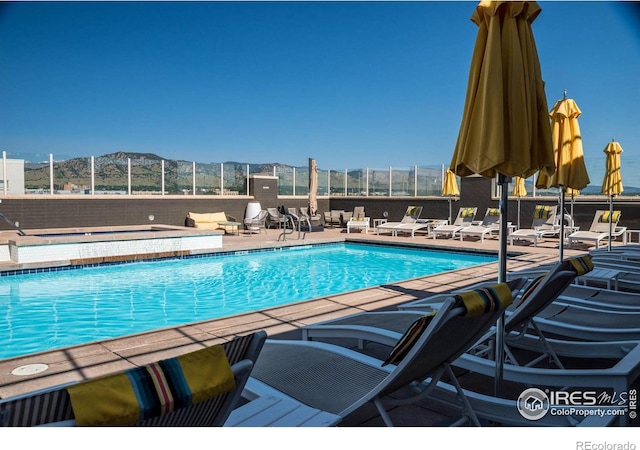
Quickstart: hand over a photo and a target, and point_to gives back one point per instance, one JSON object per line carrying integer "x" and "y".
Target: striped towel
{"x": 542, "y": 212}
{"x": 476, "y": 302}
{"x": 467, "y": 212}
{"x": 615, "y": 217}
{"x": 158, "y": 388}
{"x": 581, "y": 264}
{"x": 409, "y": 338}
{"x": 485, "y": 300}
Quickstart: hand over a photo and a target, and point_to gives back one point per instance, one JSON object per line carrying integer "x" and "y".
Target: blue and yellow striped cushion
{"x": 615, "y": 217}
{"x": 485, "y": 300}
{"x": 580, "y": 264}
{"x": 413, "y": 211}
{"x": 149, "y": 391}
{"x": 542, "y": 212}
{"x": 476, "y": 302}
{"x": 467, "y": 212}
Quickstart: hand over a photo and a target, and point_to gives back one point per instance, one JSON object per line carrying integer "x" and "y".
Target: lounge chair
{"x": 275, "y": 218}
{"x": 314, "y": 219}
{"x": 358, "y": 220}
{"x": 333, "y": 218}
{"x": 81, "y": 403}
{"x": 384, "y": 328}
{"x": 464, "y": 219}
{"x": 490, "y": 224}
{"x": 545, "y": 224}
{"x": 599, "y": 230}
{"x": 339, "y": 380}
{"x": 411, "y": 216}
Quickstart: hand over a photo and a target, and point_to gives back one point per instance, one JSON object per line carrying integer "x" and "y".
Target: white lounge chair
{"x": 411, "y": 216}
{"x": 599, "y": 230}
{"x": 490, "y": 224}
{"x": 545, "y": 224}
{"x": 464, "y": 219}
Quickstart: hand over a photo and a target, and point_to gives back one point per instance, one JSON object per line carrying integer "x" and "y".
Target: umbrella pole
{"x": 503, "y": 182}
{"x": 561, "y": 244}
{"x": 610, "y": 220}
{"x": 450, "y": 213}
{"x": 518, "y": 212}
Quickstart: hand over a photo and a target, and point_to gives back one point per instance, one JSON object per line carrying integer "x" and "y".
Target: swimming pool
{"x": 49, "y": 310}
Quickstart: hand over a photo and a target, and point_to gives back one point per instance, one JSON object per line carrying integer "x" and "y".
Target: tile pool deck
{"x": 95, "y": 359}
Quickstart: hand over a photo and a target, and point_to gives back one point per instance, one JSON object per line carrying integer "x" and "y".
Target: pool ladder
{"x": 285, "y": 230}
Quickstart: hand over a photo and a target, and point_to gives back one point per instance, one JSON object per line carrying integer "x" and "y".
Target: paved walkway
{"x": 91, "y": 360}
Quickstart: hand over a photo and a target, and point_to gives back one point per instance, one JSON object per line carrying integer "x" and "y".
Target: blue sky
{"x": 351, "y": 84}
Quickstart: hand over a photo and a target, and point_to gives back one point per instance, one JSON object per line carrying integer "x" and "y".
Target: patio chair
{"x": 275, "y": 218}
{"x": 490, "y": 224}
{"x": 544, "y": 224}
{"x": 599, "y": 230}
{"x": 215, "y": 377}
{"x": 339, "y": 380}
{"x": 315, "y": 219}
{"x": 464, "y": 219}
{"x": 257, "y": 223}
{"x": 333, "y": 218}
{"x": 411, "y": 216}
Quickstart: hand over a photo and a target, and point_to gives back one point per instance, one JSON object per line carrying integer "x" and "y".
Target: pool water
{"x": 49, "y": 310}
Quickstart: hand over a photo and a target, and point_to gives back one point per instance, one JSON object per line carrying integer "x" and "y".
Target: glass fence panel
{"x": 302, "y": 181}
{"x": 146, "y": 175}
{"x": 178, "y": 177}
{"x": 337, "y": 179}
{"x": 379, "y": 182}
{"x": 357, "y": 182}
{"x": 36, "y": 178}
{"x": 430, "y": 181}
{"x": 402, "y": 182}
{"x": 323, "y": 182}
{"x": 234, "y": 178}
{"x": 67, "y": 179}
{"x": 285, "y": 180}
{"x": 111, "y": 175}
{"x": 207, "y": 179}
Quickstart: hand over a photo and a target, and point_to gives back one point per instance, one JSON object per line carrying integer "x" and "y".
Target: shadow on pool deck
{"x": 91, "y": 360}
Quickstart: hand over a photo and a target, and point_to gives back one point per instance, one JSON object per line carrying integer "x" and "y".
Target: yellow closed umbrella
{"x": 519, "y": 190}
{"x": 612, "y": 183}
{"x": 505, "y": 128}
{"x": 450, "y": 188}
{"x": 571, "y": 171}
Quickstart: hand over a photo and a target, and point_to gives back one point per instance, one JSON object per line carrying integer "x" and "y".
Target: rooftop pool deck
{"x": 284, "y": 322}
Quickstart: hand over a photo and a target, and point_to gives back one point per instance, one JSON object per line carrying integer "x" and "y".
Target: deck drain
{"x": 29, "y": 369}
